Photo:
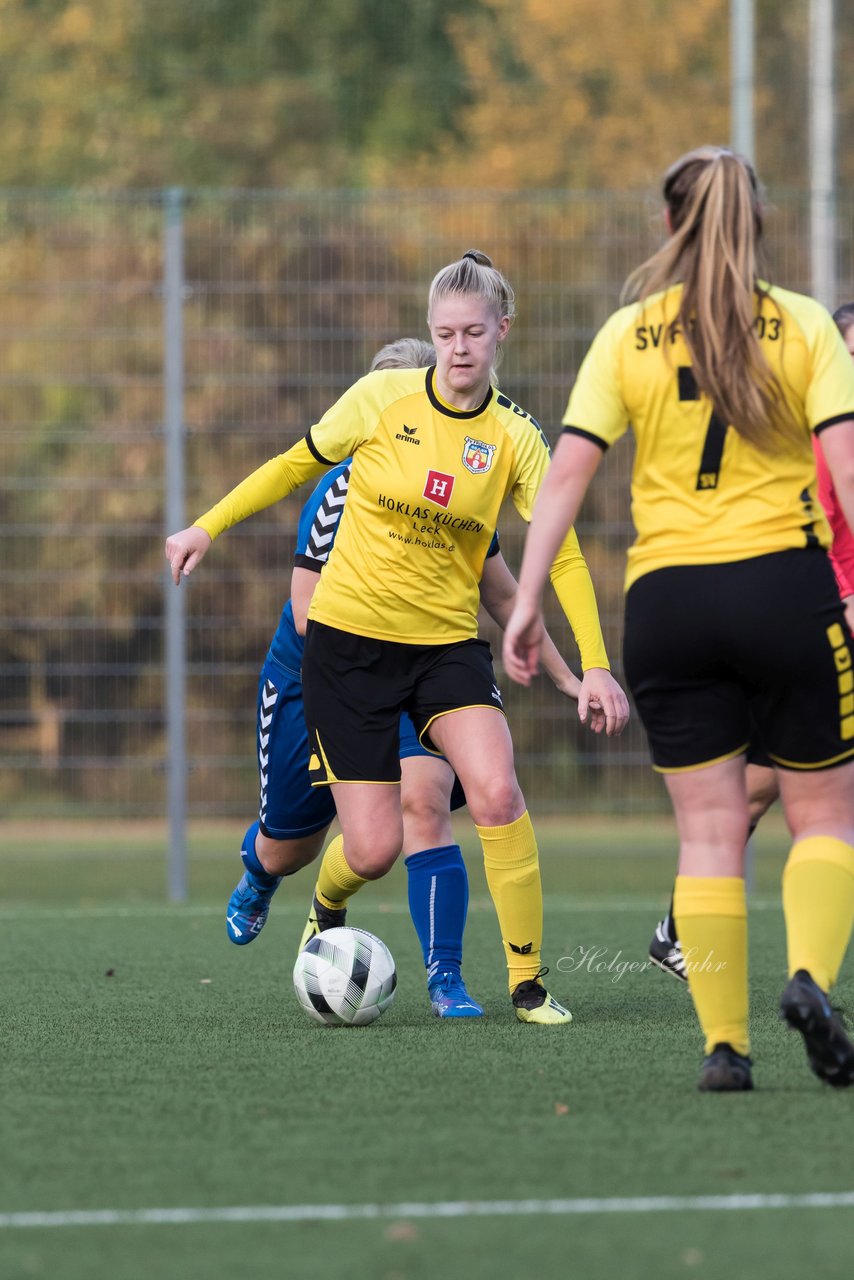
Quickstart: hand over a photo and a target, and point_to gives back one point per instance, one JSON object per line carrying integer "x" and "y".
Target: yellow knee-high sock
{"x": 336, "y": 880}
{"x": 818, "y": 903}
{"x": 513, "y": 875}
{"x": 711, "y": 920}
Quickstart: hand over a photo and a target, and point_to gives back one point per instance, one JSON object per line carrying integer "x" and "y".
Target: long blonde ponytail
{"x": 716, "y": 230}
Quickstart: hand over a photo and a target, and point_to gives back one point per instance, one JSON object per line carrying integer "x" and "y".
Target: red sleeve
{"x": 842, "y": 546}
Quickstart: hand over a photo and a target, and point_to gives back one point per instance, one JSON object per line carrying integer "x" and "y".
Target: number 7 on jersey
{"x": 713, "y": 444}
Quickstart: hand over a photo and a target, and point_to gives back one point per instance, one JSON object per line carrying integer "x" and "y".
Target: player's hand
{"x": 523, "y": 637}
{"x": 185, "y": 550}
{"x": 602, "y": 703}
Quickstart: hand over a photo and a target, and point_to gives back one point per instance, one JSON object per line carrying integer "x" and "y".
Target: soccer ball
{"x": 345, "y": 977}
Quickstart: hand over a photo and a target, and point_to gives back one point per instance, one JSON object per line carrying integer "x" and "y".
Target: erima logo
{"x": 521, "y": 951}
{"x": 407, "y": 435}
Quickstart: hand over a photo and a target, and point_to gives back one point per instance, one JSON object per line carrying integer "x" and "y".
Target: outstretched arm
{"x": 268, "y": 484}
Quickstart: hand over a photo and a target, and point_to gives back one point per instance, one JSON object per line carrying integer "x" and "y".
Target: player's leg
{"x": 804, "y": 711}
{"x": 762, "y": 790}
{"x": 818, "y": 904}
{"x": 293, "y": 818}
{"x": 696, "y": 713}
{"x": 477, "y": 744}
{"x": 372, "y": 833}
{"x": 665, "y": 949}
{"x": 353, "y": 727}
{"x": 710, "y": 805}
{"x": 249, "y": 904}
{"x": 436, "y": 874}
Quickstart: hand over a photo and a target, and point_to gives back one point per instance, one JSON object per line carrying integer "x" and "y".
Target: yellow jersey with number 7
{"x": 701, "y": 494}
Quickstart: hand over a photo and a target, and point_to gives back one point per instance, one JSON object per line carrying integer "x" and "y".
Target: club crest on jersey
{"x": 439, "y": 488}
{"x": 477, "y": 456}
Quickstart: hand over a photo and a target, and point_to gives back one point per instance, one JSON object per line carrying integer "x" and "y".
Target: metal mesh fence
{"x": 286, "y": 297}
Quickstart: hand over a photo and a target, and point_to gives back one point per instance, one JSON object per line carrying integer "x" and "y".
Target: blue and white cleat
{"x": 248, "y": 908}
{"x": 450, "y": 999}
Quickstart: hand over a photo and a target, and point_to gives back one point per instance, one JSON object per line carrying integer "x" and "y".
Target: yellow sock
{"x": 513, "y": 874}
{"x": 336, "y": 880}
{"x": 711, "y": 921}
{"x": 818, "y": 903}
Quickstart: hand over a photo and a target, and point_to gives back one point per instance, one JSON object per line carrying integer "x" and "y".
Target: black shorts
{"x": 355, "y": 689}
{"x": 721, "y": 656}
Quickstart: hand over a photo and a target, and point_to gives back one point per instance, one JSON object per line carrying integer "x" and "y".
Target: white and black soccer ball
{"x": 345, "y": 977}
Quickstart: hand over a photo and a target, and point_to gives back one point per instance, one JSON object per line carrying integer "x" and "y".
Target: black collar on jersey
{"x": 443, "y": 408}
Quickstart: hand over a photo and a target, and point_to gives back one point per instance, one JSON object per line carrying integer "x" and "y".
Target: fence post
{"x": 175, "y": 611}
{"x": 741, "y": 43}
{"x": 822, "y": 126}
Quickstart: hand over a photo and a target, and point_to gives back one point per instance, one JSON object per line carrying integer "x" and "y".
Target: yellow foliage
{"x": 593, "y": 93}
{"x": 74, "y": 26}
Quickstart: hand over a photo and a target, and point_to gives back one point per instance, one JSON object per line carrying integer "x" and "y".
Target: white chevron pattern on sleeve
{"x": 325, "y": 522}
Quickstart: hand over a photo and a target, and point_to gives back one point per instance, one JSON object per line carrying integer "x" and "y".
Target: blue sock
{"x": 251, "y": 862}
{"x": 438, "y": 902}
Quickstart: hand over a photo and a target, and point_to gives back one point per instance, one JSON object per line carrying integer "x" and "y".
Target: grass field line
{"x": 554, "y": 902}
{"x": 424, "y": 1209}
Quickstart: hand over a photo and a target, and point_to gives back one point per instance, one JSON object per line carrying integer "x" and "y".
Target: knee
{"x": 496, "y": 802}
{"x": 371, "y": 864}
{"x": 372, "y": 858}
{"x": 426, "y": 820}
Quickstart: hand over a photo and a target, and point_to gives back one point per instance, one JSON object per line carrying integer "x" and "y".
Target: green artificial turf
{"x": 147, "y": 1063}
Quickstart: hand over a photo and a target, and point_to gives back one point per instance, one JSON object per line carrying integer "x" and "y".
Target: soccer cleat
{"x": 450, "y": 999}
{"x": 666, "y": 952}
{"x": 725, "y": 1071}
{"x": 830, "y": 1052}
{"x": 534, "y": 1004}
{"x": 248, "y": 908}
{"x": 320, "y": 919}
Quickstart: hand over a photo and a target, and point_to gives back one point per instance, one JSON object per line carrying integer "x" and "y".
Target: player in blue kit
{"x": 294, "y": 817}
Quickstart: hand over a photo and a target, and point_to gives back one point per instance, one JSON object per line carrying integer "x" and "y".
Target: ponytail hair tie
{"x": 469, "y": 254}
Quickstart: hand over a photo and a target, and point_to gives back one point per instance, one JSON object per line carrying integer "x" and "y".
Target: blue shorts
{"x": 289, "y": 806}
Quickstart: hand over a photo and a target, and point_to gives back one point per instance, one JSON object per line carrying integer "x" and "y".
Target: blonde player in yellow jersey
{"x": 393, "y": 622}
{"x": 732, "y": 611}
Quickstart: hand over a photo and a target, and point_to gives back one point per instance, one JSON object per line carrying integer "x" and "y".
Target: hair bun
{"x": 476, "y": 256}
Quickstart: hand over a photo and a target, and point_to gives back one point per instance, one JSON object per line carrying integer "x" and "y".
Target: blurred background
{"x": 213, "y": 213}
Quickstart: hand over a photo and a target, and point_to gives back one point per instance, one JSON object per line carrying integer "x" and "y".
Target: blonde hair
{"x": 404, "y": 353}
{"x": 713, "y": 251}
{"x": 475, "y": 276}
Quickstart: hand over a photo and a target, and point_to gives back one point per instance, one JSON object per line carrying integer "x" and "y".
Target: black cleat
{"x": 725, "y": 1071}
{"x": 807, "y": 1009}
{"x": 534, "y": 1004}
{"x": 666, "y": 952}
{"x": 320, "y": 919}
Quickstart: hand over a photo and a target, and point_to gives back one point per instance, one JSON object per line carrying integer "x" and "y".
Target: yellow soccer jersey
{"x": 427, "y": 482}
{"x": 426, "y": 486}
{"x": 700, "y": 493}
